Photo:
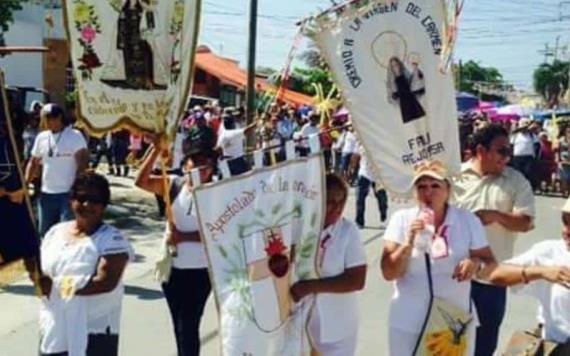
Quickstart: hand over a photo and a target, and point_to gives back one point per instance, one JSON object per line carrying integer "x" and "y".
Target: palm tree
{"x": 551, "y": 81}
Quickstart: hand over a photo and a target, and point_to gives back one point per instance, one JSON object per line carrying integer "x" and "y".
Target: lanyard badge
{"x": 440, "y": 244}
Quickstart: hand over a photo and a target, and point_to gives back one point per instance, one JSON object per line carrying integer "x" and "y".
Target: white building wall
{"x": 29, "y": 29}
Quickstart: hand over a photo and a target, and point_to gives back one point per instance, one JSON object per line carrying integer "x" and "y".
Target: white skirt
{"x": 344, "y": 347}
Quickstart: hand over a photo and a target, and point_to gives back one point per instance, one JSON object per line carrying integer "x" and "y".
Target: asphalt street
{"x": 146, "y": 328}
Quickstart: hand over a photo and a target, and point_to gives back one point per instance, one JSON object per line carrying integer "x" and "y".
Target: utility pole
{"x": 547, "y": 51}
{"x": 563, "y": 17}
{"x": 250, "y": 95}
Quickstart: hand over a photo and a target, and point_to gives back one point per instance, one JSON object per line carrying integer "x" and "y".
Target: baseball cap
{"x": 434, "y": 169}
{"x": 52, "y": 110}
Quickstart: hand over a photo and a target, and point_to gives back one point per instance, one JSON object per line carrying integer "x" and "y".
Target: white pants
{"x": 402, "y": 343}
{"x": 343, "y": 347}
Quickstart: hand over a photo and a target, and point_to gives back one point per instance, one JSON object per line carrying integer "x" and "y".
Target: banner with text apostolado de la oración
{"x": 249, "y": 225}
{"x": 386, "y": 59}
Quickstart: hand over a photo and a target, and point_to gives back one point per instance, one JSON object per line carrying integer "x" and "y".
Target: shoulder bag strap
{"x": 430, "y": 303}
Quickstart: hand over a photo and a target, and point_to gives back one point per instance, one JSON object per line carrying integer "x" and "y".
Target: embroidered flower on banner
{"x": 82, "y": 12}
{"x": 88, "y": 34}
{"x": 88, "y": 26}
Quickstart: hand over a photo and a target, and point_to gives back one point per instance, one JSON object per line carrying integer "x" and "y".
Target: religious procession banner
{"x": 133, "y": 61}
{"x": 261, "y": 232}
{"x": 19, "y": 239}
{"x": 386, "y": 57}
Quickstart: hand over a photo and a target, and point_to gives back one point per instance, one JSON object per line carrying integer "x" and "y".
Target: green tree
{"x": 551, "y": 81}
{"x": 302, "y": 80}
{"x": 7, "y": 9}
{"x": 471, "y": 73}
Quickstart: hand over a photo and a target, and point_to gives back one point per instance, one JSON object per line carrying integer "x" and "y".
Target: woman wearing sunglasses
{"x": 187, "y": 285}
{"x": 432, "y": 251}
{"x": 82, "y": 265}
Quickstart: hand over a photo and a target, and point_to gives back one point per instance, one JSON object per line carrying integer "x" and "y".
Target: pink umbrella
{"x": 498, "y": 117}
{"x": 342, "y": 114}
{"x": 485, "y": 106}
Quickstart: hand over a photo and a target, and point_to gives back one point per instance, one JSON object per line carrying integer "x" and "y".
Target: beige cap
{"x": 433, "y": 169}
{"x": 525, "y": 122}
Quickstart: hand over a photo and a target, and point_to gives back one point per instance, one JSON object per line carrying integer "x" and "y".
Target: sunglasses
{"x": 88, "y": 198}
{"x": 432, "y": 186}
{"x": 504, "y": 151}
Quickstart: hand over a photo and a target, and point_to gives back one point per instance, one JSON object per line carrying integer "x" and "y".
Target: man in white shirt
{"x": 366, "y": 180}
{"x": 525, "y": 148}
{"x": 61, "y": 153}
{"x": 231, "y": 145}
{"x": 349, "y": 149}
{"x": 309, "y": 129}
{"x": 504, "y": 202}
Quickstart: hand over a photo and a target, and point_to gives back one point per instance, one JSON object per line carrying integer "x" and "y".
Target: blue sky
{"x": 506, "y": 34}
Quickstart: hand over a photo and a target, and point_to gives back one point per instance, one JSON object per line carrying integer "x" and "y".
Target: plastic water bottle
{"x": 424, "y": 238}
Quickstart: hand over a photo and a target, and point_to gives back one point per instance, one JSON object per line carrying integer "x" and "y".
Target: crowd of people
{"x": 540, "y": 150}
{"x": 452, "y": 251}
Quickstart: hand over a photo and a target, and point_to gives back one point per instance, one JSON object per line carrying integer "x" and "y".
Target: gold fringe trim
{"x": 12, "y": 272}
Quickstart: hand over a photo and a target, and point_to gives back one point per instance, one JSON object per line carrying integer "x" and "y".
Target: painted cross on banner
{"x": 273, "y": 268}
{"x": 261, "y": 233}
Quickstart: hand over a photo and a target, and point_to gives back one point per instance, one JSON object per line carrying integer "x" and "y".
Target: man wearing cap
{"x": 61, "y": 152}
{"x": 526, "y": 146}
{"x": 503, "y": 200}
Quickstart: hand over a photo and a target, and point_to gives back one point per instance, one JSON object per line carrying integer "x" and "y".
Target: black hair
{"x": 229, "y": 122}
{"x": 91, "y": 181}
{"x": 486, "y": 135}
{"x": 333, "y": 181}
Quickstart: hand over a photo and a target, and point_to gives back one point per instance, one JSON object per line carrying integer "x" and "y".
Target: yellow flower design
{"x": 82, "y": 13}
{"x": 443, "y": 344}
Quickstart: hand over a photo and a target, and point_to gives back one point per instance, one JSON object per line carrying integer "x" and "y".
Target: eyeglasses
{"x": 433, "y": 186}
{"x": 84, "y": 198}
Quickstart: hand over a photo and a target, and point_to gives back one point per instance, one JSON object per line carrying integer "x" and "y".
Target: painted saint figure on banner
{"x": 405, "y": 88}
{"x": 141, "y": 67}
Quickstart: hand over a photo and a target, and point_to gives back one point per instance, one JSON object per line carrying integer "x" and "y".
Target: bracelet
{"x": 524, "y": 276}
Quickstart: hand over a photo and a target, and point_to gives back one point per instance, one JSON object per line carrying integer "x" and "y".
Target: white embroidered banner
{"x": 249, "y": 225}
{"x": 132, "y": 60}
{"x": 386, "y": 58}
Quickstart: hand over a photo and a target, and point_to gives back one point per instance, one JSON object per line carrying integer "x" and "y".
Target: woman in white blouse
{"x": 82, "y": 266}
{"x": 188, "y": 286}
{"x": 455, "y": 242}
{"x": 341, "y": 262}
